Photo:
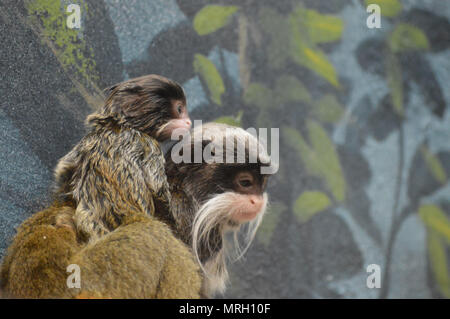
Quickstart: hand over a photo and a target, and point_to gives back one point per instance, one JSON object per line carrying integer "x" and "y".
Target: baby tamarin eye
{"x": 179, "y": 119}
{"x": 179, "y": 109}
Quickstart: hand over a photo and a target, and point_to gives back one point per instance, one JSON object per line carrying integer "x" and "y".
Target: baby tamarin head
{"x": 151, "y": 104}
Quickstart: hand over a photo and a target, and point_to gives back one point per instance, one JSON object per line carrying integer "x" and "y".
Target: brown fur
{"x": 140, "y": 259}
{"x": 154, "y": 264}
{"x": 35, "y": 263}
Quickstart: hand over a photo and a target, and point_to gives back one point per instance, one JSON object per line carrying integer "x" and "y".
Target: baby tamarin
{"x": 118, "y": 167}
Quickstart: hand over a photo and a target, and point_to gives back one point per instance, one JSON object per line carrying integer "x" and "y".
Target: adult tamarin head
{"x": 211, "y": 199}
{"x": 152, "y": 104}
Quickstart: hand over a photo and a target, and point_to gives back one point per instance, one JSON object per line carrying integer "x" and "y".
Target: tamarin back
{"x": 110, "y": 173}
{"x": 140, "y": 259}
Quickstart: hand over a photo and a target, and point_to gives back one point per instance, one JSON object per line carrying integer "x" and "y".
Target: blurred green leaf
{"x": 231, "y": 120}
{"x": 258, "y": 95}
{"x": 295, "y": 37}
{"x": 330, "y": 165}
{"x": 321, "y": 28}
{"x": 289, "y": 89}
{"x": 389, "y": 8}
{"x": 310, "y": 203}
{"x": 269, "y": 222}
{"x": 395, "y": 82}
{"x": 434, "y": 165}
{"x": 303, "y": 51}
{"x": 407, "y": 37}
{"x": 320, "y": 159}
{"x": 438, "y": 261}
{"x": 427, "y": 173}
{"x": 211, "y": 77}
{"x": 328, "y": 109}
{"x": 317, "y": 61}
{"x": 212, "y": 17}
{"x": 435, "y": 219}
{"x": 438, "y": 237}
{"x": 294, "y": 139}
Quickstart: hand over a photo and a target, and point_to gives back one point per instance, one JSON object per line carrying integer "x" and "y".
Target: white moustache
{"x": 215, "y": 213}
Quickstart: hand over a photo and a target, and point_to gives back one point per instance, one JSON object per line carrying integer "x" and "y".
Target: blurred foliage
{"x": 231, "y": 120}
{"x": 328, "y": 109}
{"x": 389, "y": 8}
{"x": 434, "y": 165}
{"x": 270, "y": 221}
{"x": 401, "y": 64}
{"x": 310, "y": 203}
{"x": 406, "y": 37}
{"x": 210, "y": 76}
{"x": 308, "y": 28}
{"x": 296, "y": 41}
{"x": 319, "y": 157}
{"x": 211, "y": 18}
{"x": 438, "y": 242}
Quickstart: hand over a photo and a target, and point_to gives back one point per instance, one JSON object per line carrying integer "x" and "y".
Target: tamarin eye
{"x": 179, "y": 109}
{"x": 245, "y": 183}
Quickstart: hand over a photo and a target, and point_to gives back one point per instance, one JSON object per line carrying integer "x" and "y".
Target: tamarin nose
{"x": 256, "y": 201}
{"x": 188, "y": 122}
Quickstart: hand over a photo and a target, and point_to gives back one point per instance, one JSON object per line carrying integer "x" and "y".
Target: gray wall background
{"x": 363, "y": 115}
